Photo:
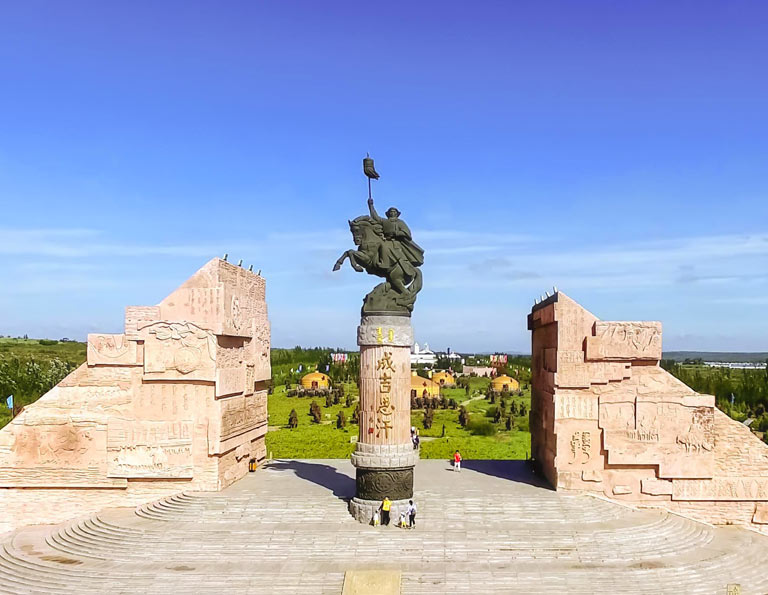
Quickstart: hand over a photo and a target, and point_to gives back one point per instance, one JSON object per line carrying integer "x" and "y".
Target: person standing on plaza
{"x": 411, "y": 514}
{"x": 386, "y": 505}
{"x": 457, "y": 461}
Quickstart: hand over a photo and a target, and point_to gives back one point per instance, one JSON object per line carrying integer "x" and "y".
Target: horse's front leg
{"x": 340, "y": 262}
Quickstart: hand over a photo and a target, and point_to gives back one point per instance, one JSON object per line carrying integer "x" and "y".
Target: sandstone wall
{"x": 605, "y": 418}
{"x": 178, "y": 401}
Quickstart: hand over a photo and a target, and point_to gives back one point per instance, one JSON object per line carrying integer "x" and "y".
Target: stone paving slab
{"x": 493, "y": 528}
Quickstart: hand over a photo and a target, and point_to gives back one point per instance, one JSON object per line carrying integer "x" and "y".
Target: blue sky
{"x": 617, "y": 150}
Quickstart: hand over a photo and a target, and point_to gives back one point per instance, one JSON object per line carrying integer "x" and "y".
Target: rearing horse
{"x": 401, "y": 276}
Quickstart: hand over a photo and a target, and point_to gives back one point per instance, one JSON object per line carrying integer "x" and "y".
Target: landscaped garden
{"x": 479, "y": 438}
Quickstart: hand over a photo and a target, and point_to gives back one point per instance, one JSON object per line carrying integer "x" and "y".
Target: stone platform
{"x": 493, "y": 528}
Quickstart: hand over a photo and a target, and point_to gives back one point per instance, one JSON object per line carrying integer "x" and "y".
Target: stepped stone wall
{"x": 606, "y": 418}
{"x": 178, "y": 401}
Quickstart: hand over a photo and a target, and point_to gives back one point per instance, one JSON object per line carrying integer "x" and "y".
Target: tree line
{"x": 741, "y": 393}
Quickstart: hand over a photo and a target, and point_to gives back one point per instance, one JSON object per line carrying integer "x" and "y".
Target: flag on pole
{"x": 9, "y": 402}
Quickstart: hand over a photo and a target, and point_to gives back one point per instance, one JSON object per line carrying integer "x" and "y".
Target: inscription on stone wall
{"x": 581, "y": 444}
{"x": 149, "y": 449}
{"x": 575, "y": 406}
{"x": 242, "y": 300}
{"x": 721, "y": 488}
{"x": 250, "y": 379}
{"x": 572, "y": 375}
{"x": 625, "y": 341}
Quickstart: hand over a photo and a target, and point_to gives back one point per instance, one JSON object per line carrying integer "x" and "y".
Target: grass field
{"x": 311, "y": 440}
{"x": 71, "y": 352}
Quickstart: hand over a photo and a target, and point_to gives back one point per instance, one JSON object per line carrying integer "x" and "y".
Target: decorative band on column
{"x": 392, "y": 331}
{"x": 376, "y": 484}
{"x": 382, "y": 456}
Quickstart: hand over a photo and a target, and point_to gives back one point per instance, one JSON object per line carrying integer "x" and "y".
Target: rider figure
{"x": 399, "y": 246}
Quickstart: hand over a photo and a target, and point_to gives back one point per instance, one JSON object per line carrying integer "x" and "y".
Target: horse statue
{"x": 385, "y": 249}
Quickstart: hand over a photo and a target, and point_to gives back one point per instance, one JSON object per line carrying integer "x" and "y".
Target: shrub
{"x": 522, "y": 424}
{"x": 491, "y": 411}
{"x": 481, "y": 427}
{"x": 429, "y": 415}
{"x": 47, "y": 342}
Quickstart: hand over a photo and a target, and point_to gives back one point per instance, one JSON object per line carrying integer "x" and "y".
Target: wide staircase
{"x": 278, "y": 532}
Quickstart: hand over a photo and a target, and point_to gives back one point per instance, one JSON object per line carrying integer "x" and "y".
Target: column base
{"x": 362, "y": 510}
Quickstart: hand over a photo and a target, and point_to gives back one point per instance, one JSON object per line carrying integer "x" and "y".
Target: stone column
{"x": 384, "y": 456}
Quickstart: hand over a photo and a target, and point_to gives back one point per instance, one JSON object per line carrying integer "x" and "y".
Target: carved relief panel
{"x": 178, "y": 351}
{"x": 153, "y": 449}
{"x": 112, "y": 350}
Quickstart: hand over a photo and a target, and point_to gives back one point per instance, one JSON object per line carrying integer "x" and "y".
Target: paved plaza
{"x": 493, "y": 528}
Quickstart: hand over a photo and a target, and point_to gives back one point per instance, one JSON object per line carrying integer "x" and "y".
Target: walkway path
{"x": 284, "y": 529}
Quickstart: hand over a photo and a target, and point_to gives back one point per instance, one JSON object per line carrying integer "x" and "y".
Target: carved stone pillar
{"x": 384, "y": 456}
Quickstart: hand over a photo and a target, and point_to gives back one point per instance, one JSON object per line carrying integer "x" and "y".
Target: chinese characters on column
{"x": 385, "y": 410}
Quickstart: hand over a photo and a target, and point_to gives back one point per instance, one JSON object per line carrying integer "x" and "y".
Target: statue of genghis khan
{"x": 385, "y": 249}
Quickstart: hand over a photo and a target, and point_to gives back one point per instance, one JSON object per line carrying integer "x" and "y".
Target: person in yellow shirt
{"x": 386, "y": 505}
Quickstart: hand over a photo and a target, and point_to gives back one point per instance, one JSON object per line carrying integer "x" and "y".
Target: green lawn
{"x": 311, "y": 440}
{"x": 71, "y": 352}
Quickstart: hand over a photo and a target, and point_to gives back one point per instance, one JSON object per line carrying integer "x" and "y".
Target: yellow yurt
{"x": 502, "y": 382}
{"x": 423, "y": 387}
{"x": 443, "y": 378}
{"x": 316, "y": 380}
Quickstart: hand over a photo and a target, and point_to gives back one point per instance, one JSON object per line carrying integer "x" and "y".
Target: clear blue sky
{"x": 617, "y": 150}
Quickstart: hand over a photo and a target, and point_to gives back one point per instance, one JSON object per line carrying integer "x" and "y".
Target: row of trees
{"x": 738, "y": 392}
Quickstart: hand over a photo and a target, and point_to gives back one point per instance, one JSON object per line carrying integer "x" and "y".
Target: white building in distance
{"x": 423, "y": 356}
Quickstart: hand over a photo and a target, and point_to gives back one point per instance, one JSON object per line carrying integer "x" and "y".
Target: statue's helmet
{"x": 392, "y": 211}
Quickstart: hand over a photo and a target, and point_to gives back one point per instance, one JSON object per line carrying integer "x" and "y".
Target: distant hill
{"x": 716, "y": 356}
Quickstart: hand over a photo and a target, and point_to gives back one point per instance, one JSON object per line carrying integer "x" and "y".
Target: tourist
{"x": 386, "y": 505}
{"x": 411, "y": 514}
{"x": 457, "y": 461}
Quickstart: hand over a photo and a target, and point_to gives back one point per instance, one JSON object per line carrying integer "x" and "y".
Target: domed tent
{"x": 315, "y": 380}
{"x": 423, "y": 387}
{"x": 444, "y": 379}
{"x": 504, "y": 382}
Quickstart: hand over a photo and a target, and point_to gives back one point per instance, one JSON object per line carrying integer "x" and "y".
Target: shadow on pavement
{"x": 518, "y": 471}
{"x": 342, "y": 486}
